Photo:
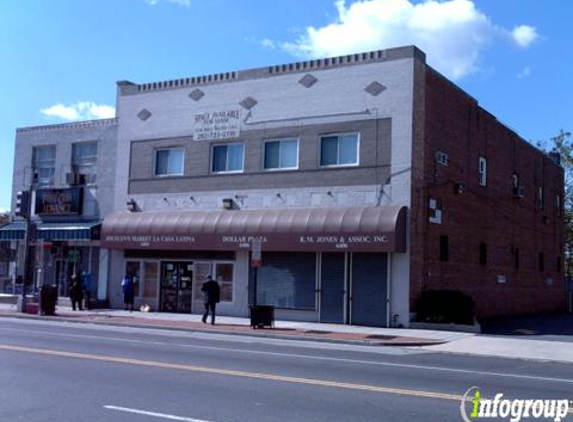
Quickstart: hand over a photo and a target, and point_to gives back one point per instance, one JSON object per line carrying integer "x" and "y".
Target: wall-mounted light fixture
{"x": 131, "y": 205}
{"x": 227, "y": 203}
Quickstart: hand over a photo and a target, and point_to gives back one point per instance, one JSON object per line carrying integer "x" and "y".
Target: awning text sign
{"x": 270, "y": 242}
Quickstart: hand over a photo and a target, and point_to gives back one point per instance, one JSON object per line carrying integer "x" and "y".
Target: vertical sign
{"x": 256, "y": 258}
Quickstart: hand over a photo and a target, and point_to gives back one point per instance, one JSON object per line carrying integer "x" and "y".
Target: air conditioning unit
{"x": 74, "y": 179}
{"x": 519, "y": 191}
{"x": 442, "y": 158}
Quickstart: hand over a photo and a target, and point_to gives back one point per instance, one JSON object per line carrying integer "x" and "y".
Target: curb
{"x": 413, "y": 343}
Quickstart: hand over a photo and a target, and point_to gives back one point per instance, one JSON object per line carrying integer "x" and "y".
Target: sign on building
{"x": 217, "y": 125}
{"x": 59, "y": 201}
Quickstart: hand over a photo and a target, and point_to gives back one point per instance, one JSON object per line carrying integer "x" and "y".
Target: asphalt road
{"x": 78, "y": 372}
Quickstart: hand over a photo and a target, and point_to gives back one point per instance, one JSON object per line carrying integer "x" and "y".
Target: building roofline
{"x": 130, "y": 88}
{"x": 71, "y": 125}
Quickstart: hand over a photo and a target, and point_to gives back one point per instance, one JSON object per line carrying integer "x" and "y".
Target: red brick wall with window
{"x": 492, "y": 215}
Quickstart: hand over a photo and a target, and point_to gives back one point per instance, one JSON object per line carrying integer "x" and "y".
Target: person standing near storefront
{"x": 211, "y": 296}
{"x": 86, "y": 285}
{"x": 76, "y": 292}
{"x": 128, "y": 285}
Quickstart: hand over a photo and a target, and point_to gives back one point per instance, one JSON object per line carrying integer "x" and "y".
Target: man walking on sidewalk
{"x": 211, "y": 295}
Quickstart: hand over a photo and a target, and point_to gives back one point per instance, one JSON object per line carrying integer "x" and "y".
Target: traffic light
{"x": 22, "y": 204}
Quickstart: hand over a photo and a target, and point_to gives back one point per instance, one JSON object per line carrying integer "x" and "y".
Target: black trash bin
{"x": 262, "y": 316}
{"x": 47, "y": 297}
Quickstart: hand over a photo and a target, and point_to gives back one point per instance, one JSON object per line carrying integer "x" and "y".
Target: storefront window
{"x": 133, "y": 268}
{"x": 224, "y": 276}
{"x": 150, "y": 273}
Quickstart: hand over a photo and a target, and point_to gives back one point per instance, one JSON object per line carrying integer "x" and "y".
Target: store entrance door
{"x": 176, "y": 286}
{"x": 63, "y": 274}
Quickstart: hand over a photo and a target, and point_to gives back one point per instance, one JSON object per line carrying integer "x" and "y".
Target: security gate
{"x": 354, "y": 288}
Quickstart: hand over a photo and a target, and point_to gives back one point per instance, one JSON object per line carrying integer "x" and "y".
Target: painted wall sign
{"x": 217, "y": 125}
{"x": 59, "y": 201}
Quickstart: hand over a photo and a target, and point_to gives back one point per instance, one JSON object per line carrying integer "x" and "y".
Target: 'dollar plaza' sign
{"x": 217, "y": 125}
{"x": 58, "y": 201}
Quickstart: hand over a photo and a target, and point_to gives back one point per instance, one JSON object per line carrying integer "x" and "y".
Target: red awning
{"x": 309, "y": 229}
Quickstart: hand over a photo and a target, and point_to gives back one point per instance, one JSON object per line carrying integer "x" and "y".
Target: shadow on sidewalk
{"x": 530, "y": 326}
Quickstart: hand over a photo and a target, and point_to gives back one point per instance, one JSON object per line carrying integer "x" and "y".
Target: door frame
{"x": 160, "y": 280}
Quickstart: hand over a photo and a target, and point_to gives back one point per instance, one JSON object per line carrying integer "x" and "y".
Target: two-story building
{"x": 363, "y": 180}
{"x": 69, "y": 169}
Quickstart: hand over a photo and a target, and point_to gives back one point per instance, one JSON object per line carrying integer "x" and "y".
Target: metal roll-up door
{"x": 332, "y": 288}
{"x": 369, "y": 289}
{"x": 287, "y": 280}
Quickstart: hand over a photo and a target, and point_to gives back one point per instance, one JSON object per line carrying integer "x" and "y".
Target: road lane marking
{"x": 303, "y": 356}
{"x": 243, "y": 374}
{"x": 157, "y": 415}
{"x": 235, "y": 373}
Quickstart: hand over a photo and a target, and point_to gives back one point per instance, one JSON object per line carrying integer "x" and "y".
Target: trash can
{"x": 47, "y": 297}
{"x": 262, "y": 316}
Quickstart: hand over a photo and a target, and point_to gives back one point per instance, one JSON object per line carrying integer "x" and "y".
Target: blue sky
{"x": 60, "y": 59}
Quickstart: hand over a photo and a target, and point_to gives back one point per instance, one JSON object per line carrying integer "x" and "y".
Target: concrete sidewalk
{"x": 427, "y": 340}
{"x": 240, "y": 326}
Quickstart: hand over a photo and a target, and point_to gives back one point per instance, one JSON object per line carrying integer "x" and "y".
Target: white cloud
{"x": 83, "y": 110}
{"x": 524, "y": 35}
{"x": 525, "y": 72}
{"x": 268, "y": 43}
{"x": 453, "y": 33}
{"x": 185, "y": 3}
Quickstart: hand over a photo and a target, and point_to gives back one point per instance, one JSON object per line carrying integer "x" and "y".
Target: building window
{"x": 558, "y": 204}
{"x": 281, "y": 154}
{"x": 515, "y": 178}
{"x": 169, "y": 162}
{"x": 444, "y": 248}
{"x": 515, "y": 251}
{"x": 483, "y": 253}
{"x": 84, "y": 160}
{"x": 541, "y": 262}
{"x": 482, "y": 171}
{"x": 540, "y": 202}
{"x": 44, "y": 165}
{"x": 224, "y": 276}
{"x": 339, "y": 150}
{"x": 228, "y": 158}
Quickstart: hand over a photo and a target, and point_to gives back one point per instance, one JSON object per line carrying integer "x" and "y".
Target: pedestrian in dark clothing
{"x": 86, "y": 286}
{"x": 211, "y": 296}
{"x": 76, "y": 292}
{"x": 128, "y": 285}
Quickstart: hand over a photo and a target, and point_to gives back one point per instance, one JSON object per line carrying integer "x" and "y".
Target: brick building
{"x": 365, "y": 178}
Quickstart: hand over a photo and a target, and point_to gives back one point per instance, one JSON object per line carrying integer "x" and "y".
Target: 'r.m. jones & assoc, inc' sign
{"x": 274, "y": 242}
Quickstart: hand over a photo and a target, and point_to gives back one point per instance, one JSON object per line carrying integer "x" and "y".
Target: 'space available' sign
{"x": 217, "y": 125}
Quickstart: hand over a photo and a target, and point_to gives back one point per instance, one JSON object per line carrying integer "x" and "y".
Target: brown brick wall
{"x": 455, "y": 124}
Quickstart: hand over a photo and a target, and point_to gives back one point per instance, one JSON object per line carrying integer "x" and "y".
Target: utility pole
{"x": 24, "y": 209}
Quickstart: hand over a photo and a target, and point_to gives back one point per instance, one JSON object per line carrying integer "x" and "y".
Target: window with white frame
{"x": 339, "y": 150}
{"x": 482, "y": 171}
{"x": 84, "y": 159}
{"x": 224, "y": 276}
{"x": 169, "y": 161}
{"x": 281, "y": 154}
{"x": 228, "y": 158}
{"x": 44, "y": 165}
